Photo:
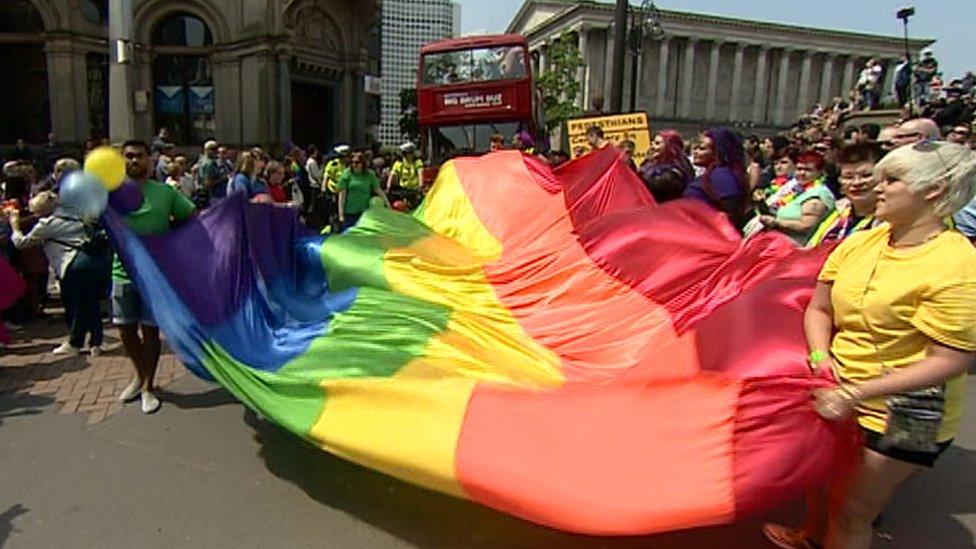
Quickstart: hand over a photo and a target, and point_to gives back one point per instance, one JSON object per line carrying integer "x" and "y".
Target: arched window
{"x": 182, "y": 30}
{"x": 182, "y": 78}
{"x": 20, "y": 16}
{"x": 95, "y": 11}
{"x": 25, "y": 111}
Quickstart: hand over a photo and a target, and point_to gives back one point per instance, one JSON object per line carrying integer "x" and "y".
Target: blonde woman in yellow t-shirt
{"x": 894, "y": 317}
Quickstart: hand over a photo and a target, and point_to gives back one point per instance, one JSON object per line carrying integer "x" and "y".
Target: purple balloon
{"x": 126, "y": 198}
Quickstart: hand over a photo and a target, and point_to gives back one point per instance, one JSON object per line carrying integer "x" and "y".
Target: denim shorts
{"x": 128, "y": 307}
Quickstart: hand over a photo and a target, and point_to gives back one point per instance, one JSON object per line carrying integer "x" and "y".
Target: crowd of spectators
{"x": 919, "y": 89}
{"x": 329, "y": 191}
{"x": 892, "y": 316}
{"x": 880, "y": 193}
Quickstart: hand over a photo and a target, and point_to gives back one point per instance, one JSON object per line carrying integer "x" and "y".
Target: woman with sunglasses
{"x": 894, "y": 320}
{"x": 356, "y": 186}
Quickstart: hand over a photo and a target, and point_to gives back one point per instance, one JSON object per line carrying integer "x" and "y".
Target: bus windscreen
{"x": 465, "y": 139}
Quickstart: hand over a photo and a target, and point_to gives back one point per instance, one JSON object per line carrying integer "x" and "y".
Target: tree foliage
{"x": 560, "y": 83}
{"x": 409, "y": 127}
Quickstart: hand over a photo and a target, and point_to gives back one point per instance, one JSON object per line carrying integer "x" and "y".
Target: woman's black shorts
{"x": 872, "y": 440}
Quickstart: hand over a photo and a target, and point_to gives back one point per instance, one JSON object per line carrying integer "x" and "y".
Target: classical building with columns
{"x": 709, "y": 70}
{"x": 244, "y": 71}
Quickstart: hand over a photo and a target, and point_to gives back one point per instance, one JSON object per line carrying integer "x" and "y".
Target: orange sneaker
{"x": 788, "y": 538}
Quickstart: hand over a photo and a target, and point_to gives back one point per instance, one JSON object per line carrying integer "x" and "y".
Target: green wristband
{"x": 816, "y": 357}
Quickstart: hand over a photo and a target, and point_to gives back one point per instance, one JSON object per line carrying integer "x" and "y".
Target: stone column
{"x": 688, "y": 77}
{"x": 760, "y": 94}
{"x": 848, "y": 83}
{"x": 227, "y": 98}
{"x": 284, "y": 98}
{"x": 826, "y": 76}
{"x": 348, "y": 98}
{"x": 631, "y": 61}
{"x": 67, "y": 91}
{"x": 662, "y": 76}
{"x": 543, "y": 59}
{"x": 359, "y": 111}
{"x": 143, "y": 80}
{"x": 608, "y": 63}
{"x": 782, "y": 84}
{"x": 740, "y": 49}
{"x": 887, "y": 87}
{"x": 713, "y": 79}
{"x": 584, "y": 71}
{"x": 803, "y": 101}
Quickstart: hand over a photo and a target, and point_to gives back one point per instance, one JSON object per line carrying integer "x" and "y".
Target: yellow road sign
{"x": 616, "y": 128}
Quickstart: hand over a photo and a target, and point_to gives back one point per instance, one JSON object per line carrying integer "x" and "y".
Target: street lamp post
{"x": 645, "y": 20}
{"x": 617, "y": 75}
{"x": 120, "y": 98}
{"x": 904, "y": 14}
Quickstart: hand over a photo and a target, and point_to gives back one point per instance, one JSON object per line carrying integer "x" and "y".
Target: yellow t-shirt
{"x": 408, "y": 173}
{"x": 891, "y": 303}
{"x": 333, "y": 171}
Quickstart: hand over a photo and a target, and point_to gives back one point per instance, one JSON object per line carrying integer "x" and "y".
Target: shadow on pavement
{"x": 207, "y": 399}
{"x": 430, "y": 519}
{"x": 15, "y": 379}
{"x": 7, "y": 518}
{"x": 18, "y": 405}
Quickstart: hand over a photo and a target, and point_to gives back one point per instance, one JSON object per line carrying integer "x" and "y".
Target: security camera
{"x": 905, "y": 12}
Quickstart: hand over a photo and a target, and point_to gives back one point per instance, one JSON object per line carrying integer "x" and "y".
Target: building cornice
{"x": 714, "y": 27}
{"x": 527, "y": 8}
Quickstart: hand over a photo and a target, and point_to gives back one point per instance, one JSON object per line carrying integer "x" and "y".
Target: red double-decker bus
{"x": 471, "y": 88}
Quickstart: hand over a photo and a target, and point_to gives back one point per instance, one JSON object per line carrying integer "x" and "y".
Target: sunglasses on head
{"x": 932, "y": 146}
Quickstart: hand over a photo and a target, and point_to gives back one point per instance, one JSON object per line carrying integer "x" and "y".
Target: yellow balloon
{"x": 107, "y": 165}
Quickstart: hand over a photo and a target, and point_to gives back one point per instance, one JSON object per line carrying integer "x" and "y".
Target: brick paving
{"x": 81, "y": 384}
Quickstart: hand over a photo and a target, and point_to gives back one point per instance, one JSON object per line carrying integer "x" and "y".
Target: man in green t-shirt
{"x": 160, "y": 204}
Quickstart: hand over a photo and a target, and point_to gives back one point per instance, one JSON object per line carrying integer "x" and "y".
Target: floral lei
{"x": 795, "y": 191}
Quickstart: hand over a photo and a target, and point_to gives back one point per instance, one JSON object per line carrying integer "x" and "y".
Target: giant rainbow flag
{"x": 547, "y": 343}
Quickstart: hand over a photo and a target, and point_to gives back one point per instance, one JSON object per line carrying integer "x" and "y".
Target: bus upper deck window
{"x": 513, "y": 64}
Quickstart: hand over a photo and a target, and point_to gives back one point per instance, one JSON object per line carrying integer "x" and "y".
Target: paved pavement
{"x": 80, "y": 384}
{"x": 205, "y": 472}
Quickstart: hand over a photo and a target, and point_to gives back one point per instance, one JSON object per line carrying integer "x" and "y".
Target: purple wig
{"x": 526, "y": 139}
{"x": 728, "y": 151}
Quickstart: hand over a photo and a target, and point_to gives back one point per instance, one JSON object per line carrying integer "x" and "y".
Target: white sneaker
{"x": 65, "y": 349}
{"x": 95, "y": 351}
{"x": 149, "y": 402}
{"x": 131, "y": 391}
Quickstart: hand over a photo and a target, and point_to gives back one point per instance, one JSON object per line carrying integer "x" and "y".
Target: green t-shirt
{"x": 794, "y": 210}
{"x": 160, "y": 204}
{"x": 359, "y": 189}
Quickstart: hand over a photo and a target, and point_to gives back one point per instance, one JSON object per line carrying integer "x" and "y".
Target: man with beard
{"x": 160, "y": 204}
